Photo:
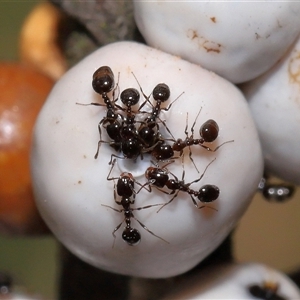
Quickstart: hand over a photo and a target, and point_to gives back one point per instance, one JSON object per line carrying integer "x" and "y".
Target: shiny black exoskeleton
{"x": 126, "y": 190}
{"x": 159, "y": 178}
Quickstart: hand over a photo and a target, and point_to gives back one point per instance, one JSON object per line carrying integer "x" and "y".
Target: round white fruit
{"x": 274, "y": 99}
{"x": 239, "y": 40}
{"x": 71, "y": 186}
{"x": 237, "y": 281}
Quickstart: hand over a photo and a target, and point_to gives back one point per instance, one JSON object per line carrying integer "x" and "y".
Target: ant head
{"x": 161, "y": 92}
{"x": 208, "y": 193}
{"x": 125, "y": 185}
{"x": 209, "y": 131}
{"x": 130, "y": 97}
{"x": 103, "y": 80}
{"x": 149, "y": 172}
{"x": 131, "y": 236}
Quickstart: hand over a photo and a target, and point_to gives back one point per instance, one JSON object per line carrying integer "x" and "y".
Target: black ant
{"x": 277, "y": 192}
{"x": 125, "y": 189}
{"x": 161, "y": 93}
{"x": 267, "y": 291}
{"x": 209, "y": 132}
{"x": 103, "y": 82}
{"x": 159, "y": 177}
{"x": 131, "y": 144}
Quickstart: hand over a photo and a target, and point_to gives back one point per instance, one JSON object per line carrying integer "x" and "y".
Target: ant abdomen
{"x": 161, "y": 92}
{"x": 103, "y": 80}
{"x": 130, "y": 97}
{"x": 208, "y": 193}
{"x": 131, "y": 236}
{"x": 209, "y": 131}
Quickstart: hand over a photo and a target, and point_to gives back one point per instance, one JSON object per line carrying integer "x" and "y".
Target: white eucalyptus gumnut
{"x": 237, "y": 281}
{"x": 274, "y": 99}
{"x": 71, "y": 186}
{"x": 239, "y": 40}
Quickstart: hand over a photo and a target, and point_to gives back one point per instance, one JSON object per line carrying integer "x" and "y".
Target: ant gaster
{"x": 159, "y": 178}
{"x": 125, "y": 189}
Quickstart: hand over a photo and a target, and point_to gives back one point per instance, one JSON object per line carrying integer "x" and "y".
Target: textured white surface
{"x": 232, "y": 282}
{"x": 274, "y": 99}
{"x": 70, "y": 185}
{"x": 239, "y": 40}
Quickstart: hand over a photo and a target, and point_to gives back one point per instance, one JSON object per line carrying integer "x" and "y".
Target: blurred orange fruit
{"x": 22, "y": 94}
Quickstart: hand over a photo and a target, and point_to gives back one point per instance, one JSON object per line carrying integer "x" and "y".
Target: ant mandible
{"x": 125, "y": 189}
{"x": 159, "y": 178}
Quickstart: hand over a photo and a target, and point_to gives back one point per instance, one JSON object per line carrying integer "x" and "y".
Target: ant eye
{"x": 161, "y": 92}
{"x": 209, "y": 131}
{"x": 103, "y": 80}
{"x": 208, "y": 193}
{"x": 131, "y": 236}
{"x": 130, "y": 97}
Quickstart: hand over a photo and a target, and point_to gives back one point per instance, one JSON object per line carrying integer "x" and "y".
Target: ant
{"x": 209, "y": 132}
{"x": 125, "y": 189}
{"x": 277, "y": 192}
{"x": 103, "y": 82}
{"x": 130, "y": 144}
{"x": 161, "y": 93}
{"x": 267, "y": 291}
{"x": 159, "y": 177}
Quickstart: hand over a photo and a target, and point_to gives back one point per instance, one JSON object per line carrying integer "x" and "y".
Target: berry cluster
{"x": 133, "y": 137}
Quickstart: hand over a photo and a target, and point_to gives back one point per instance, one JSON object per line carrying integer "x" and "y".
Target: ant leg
{"x": 93, "y": 103}
{"x": 169, "y": 106}
{"x": 145, "y": 186}
{"x": 98, "y": 147}
{"x": 168, "y": 201}
{"x": 164, "y": 166}
{"x": 115, "y": 209}
{"x": 112, "y": 166}
{"x": 214, "y": 150}
{"x": 205, "y": 206}
{"x": 167, "y": 128}
{"x": 194, "y": 201}
{"x": 146, "y": 228}
{"x": 198, "y": 179}
{"x": 192, "y": 160}
{"x": 192, "y": 128}
{"x": 186, "y": 125}
{"x": 113, "y": 155}
{"x": 145, "y": 96}
{"x": 115, "y": 230}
